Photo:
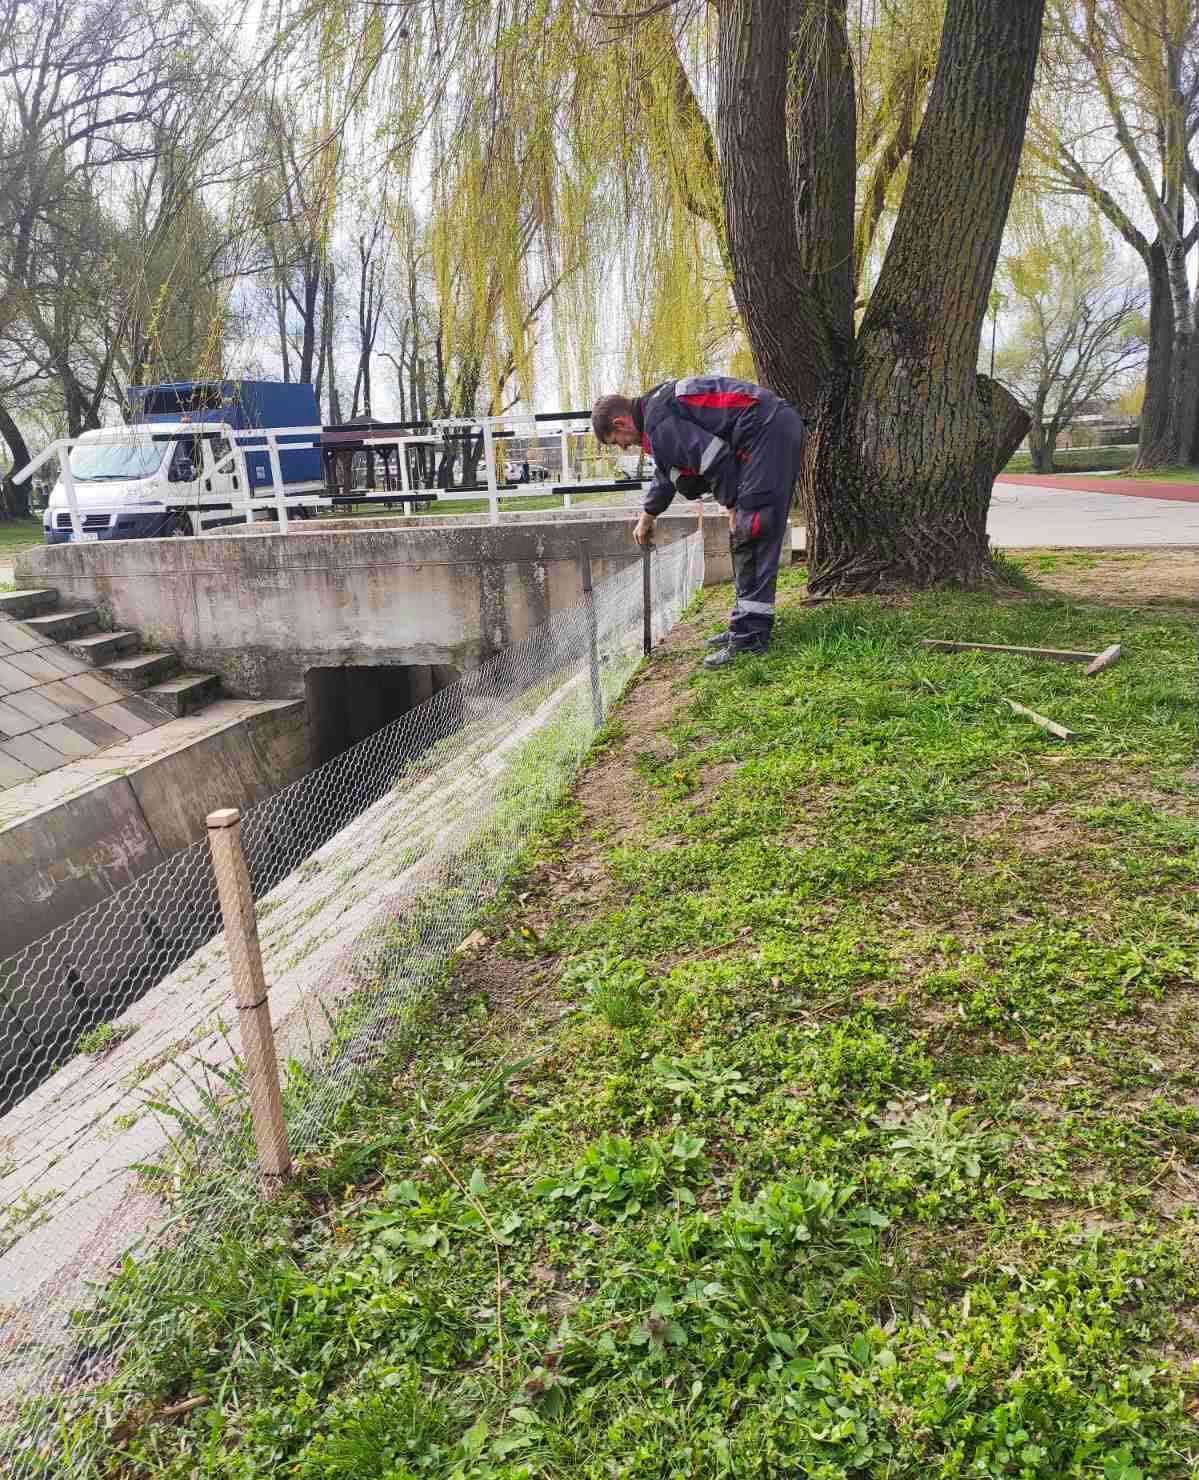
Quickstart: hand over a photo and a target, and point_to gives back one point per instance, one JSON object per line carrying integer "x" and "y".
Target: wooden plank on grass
{"x": 1058, "y": 655}
{"x": 1105, "y": 659}
{"x": 1051, "y": 725}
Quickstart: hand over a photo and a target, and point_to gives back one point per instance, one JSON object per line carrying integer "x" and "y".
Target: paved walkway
{"x": 1030, "y": 516}
{"x": 1026, "y": 514}
{"x": 1186, "y": 493}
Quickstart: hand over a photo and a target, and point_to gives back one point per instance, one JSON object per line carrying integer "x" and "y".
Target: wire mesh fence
{"x": 120, "y": 1056}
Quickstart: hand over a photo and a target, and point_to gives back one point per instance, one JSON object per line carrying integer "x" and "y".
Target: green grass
{"x": 473, "y": 505}
{"x": 1174, "y": 475}
{"x": 104, "y": 1037}
{"x": 1078, "y": 460}
{"x": 1102, "y": 459}
{"x": 830, "y": 1114}
{"x": 18, "y": 534}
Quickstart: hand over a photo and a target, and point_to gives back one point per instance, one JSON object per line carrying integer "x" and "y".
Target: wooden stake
{"x": 249, "y": 993}
{"x": 177, "y": 1410}
{"x": 1058, "y": 655}
{"x": 1039, "y": 719}
{"x": 1105, "y": 659}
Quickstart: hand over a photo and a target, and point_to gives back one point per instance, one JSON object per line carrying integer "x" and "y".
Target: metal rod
{"x": 249, "y": 993}
{"x": 647, "y": 610}
{"x": 493, "y": 492}
{"x": 597, "y": 693}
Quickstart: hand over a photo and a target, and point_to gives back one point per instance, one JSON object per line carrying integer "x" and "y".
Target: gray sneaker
{"x": 723, "y": 656}
{"x": 722, "y": 639}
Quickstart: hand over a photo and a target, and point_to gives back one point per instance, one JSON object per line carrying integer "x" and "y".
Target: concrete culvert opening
{"x": 347, "y": 705}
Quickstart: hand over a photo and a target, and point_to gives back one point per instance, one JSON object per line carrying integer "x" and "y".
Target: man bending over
{"x": 741, "y": 442}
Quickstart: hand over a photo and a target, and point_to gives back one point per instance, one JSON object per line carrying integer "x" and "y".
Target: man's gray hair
{"x": 604, "y": 414}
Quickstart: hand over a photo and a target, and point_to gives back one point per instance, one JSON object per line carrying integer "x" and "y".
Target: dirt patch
{"x": 1136, "y": 578}
{"x": 612, "y": 799}
{"x": 1035, "y": 833}
{"x": 611, "y": 795}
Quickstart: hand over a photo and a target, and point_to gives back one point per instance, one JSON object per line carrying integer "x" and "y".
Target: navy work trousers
{"x": 759, "y": 529}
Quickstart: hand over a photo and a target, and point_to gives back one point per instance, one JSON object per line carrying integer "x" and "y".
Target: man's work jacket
{"x": 705, "y": 425}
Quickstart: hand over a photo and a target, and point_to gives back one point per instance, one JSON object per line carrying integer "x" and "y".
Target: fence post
{"x": 597, "y": 693}
{"x": 249, "y": 993}
{"x": 647, "y": 610}
{"x": 493, "y": 482}
{"x": 272, "y": 447}
{"x": 68, "y": 485}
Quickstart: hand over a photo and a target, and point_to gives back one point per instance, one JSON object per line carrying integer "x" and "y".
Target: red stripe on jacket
{"x": 725, "y": 400}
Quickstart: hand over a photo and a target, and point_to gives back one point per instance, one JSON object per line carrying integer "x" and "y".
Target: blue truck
{"x": 187, "y": 460}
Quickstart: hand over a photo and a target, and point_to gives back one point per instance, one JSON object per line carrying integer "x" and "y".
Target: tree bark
{"x": 790, "y": 328}
{"x": 822, "y": 146}
{"x": 1044, "y": 459}
{"x": 1190, "y": 405}
{"x": 1181, "y": 410}
{"x": 1154, "y": 447}
{"x": 906, "y": 438}
{"x": 14, "y": 497}
{"x": 312, "y": 282}
{"x": 1042, "y": 456}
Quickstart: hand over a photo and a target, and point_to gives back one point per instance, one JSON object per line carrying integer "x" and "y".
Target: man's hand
{"x": 643, "y": 530}
{"x": 731, "y": 511}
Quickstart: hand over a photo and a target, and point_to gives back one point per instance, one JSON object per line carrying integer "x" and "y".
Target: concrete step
{"x": 103, "y": 647}
{"x": 63, "y": 624}
{"x": 185, "y": 693}
{"x": 142, "y": 670}
{"x": 22, "y": 604}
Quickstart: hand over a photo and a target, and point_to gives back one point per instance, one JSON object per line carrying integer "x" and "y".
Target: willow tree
{"x": 1133, "y": 65}
{"x": 635, "y": 159}
{"x": 906, "y": 438}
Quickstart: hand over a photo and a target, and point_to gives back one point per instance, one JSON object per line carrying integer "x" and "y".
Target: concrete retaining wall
{"x": 67, "y": 856}
{"x": 262, "y": 608}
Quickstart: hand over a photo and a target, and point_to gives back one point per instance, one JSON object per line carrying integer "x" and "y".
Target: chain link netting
{"x": 119, "y": 1049}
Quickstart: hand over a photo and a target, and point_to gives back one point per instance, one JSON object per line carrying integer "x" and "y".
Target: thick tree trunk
{"x": 308, "y": 339}
{"x": 472, "y": 456}
{"x": 14, "y": 497}
{"x": 1190, "y": 412}
{"x": 1154, "y": 445}
{"x": 1182, "y": 418}
{"x": 1045, "y": 463}
{"x": 1039, "y": 447}
{"x": 822, "y": 145}
{"x": 906, "y": 444}
{"x": 790, "y": 323}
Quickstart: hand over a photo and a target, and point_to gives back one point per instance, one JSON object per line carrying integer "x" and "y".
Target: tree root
{"x": 873, "y": 576}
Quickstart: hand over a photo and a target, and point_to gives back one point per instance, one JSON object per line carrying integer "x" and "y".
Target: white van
{"x": 160, "y": 480}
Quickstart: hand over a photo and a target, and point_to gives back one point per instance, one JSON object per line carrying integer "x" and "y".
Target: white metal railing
{"x": 565, "y": 428}
{"x": 238, "y": 437}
